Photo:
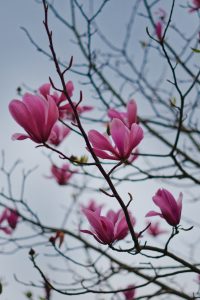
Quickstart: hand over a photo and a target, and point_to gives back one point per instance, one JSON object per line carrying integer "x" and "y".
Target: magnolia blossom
{"x": 107, "y": 229}
{"x": 65, "y": 110}
{"x": 196, "y": 4}
{"x": 11, "y": 217}
{"x": 58, "y": 134}
{"x": 129, "y": 117}
{"x": 155, "y": 230}
{"x": 125, "y": 140}
{"x": 61, "y": 175}
{"x": 170, "y": 208}
{"x": 36, "y": 115}
{"x": 159, "y": 30}
{"x": 93, "y": 206}
{"x": 130, "y": 293}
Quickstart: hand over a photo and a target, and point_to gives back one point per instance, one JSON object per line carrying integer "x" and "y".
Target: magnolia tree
{"x": 139, "y": 128}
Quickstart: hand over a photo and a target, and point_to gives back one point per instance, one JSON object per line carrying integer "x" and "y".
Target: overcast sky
{"x": 21, "y": 64}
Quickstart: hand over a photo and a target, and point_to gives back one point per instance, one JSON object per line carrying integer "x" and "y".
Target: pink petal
{"x": 4, "y": 215}
{"x": 106, "y": 234}
{"x": 132, "y": 112}
{"x": 23, "y": 116}
{"x": 112, "y": 113}
{"x": 91, "y": 233}
{"x": 84, "y": 108}
{"x": 120, "y": 136}
{"x": 159, "y": 28}
{"x": 179, "y": 204}
{"x": 121, "y": 229}
{"x": 52, "y": 115}
{"x": 104, "y": 155}
{"x": 7, "y": 230}
{"x": 167, "y": 204}
{"x": 99, "y": 141}
{"x": 20, "y": 136}
{"x": 93, "y": 218}
{"x": 45, "y": 89}
{"x": 70, "y": 89}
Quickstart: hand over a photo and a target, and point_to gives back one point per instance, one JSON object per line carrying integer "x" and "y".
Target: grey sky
{"x": 21, "y": 64}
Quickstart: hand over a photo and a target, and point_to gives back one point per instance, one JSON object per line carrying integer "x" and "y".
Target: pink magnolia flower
{"x": 65, "y": 110}
{"x": 125, "y": 139}
{"x": 93, "y": 206}
{"x": 36, "y": 115}
{"x": 11, "y": 217}
{"x": 170, "y": 208}
{"x": 129, "y": 117}
{"x": 58, "y": 134}
{"x": 159, "y": 30}
{"x": 155, "y": 230}
{"x": 107, "y": 229}
{"x": 196, "y": 7}
{"x": 130, "y": 293}
{"x": 61, "y": 175}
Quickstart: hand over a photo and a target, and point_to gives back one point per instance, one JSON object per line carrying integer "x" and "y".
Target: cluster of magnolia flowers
{"x": 112, "y": 227}
{"x": 39, "y": 116}
{"x": 126, "y": 135}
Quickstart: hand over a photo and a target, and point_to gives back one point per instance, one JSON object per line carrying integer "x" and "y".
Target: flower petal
{"x": 99, "y": 141}
{"x": 45, "y": 89}
{"x": 120, "y": 135}
{"x": 132, "y": 112}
